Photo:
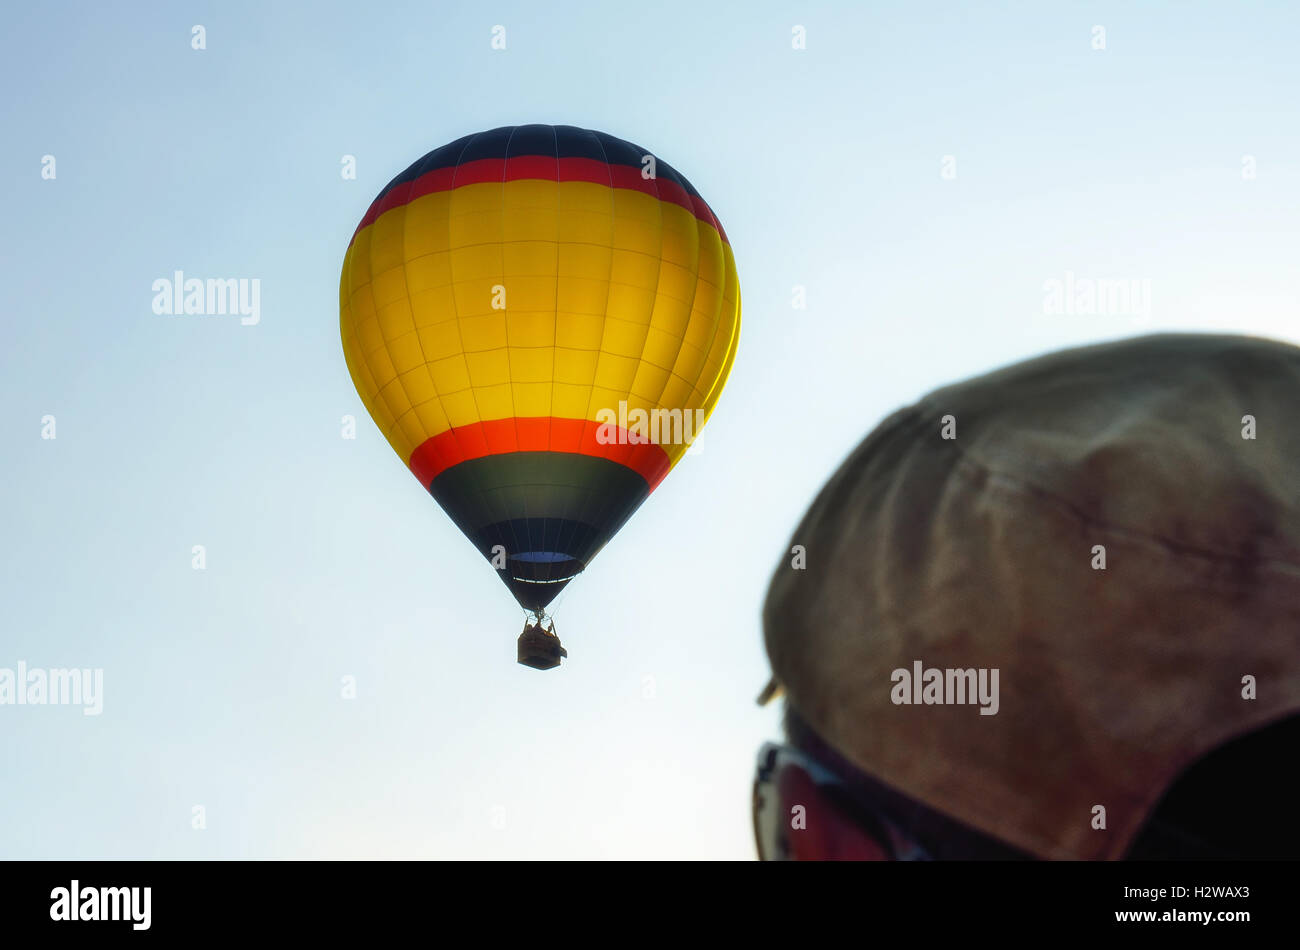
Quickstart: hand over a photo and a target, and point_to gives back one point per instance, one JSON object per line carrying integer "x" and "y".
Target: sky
{"x": 919, "y": 175}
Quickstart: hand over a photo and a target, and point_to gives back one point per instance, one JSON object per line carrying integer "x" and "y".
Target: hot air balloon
{"x": 539, "y": 318}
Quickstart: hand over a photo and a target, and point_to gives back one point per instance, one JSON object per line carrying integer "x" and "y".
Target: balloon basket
{"x": 540, "y": 648}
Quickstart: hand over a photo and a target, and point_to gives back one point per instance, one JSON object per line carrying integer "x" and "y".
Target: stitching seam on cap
{"x": 1177, "y": 548}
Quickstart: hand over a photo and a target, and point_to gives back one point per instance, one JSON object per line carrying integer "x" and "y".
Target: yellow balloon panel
{"x": 535, "y": 298}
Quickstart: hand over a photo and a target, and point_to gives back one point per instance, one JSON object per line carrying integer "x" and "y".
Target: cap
{"x": 1109, "y": 536}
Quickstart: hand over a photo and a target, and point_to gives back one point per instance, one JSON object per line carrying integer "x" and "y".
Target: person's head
{"x": 812, "y": 804}
{"x": 1051, "y": 612}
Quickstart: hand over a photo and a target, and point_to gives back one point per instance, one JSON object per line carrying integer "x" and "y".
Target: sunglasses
{"x": 772, "y": 819}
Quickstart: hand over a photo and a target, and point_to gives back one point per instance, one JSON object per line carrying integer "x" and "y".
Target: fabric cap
{"x": 978, "y": 552}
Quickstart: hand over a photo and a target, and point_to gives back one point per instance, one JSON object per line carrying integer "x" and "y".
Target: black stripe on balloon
{"x": 566, "y": 505}
{"x": 551, "y": 141}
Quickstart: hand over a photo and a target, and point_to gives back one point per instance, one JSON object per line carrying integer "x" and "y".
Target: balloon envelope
{"x": 539, "y": 318}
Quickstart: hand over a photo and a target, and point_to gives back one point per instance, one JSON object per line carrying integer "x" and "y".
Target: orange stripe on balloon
{"x": 435, "y": 455}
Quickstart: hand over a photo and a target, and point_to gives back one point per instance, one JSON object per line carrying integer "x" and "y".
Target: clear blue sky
{"x": 326, "y": 558}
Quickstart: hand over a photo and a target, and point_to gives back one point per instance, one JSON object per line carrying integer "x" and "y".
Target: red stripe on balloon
{"x": 540, "y": 167}
{"x": 435, "y": 455}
